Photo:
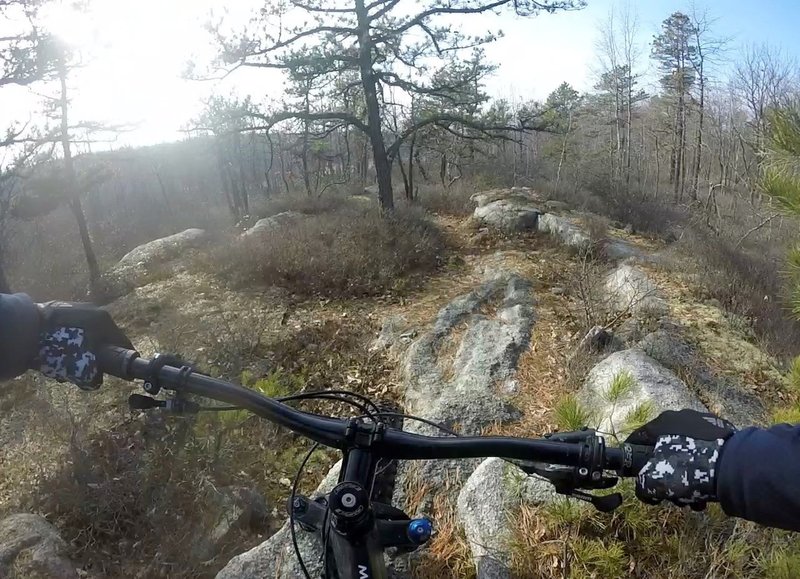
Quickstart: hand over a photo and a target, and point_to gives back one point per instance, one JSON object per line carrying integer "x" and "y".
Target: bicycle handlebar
{"x": 337, "y": 433}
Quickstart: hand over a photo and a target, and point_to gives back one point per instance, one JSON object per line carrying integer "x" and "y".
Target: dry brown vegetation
{"x": 351, "y": 252}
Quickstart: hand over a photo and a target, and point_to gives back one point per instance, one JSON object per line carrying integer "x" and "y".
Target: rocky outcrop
{"x": 566, "y": 230}
{"x": 509, "y": 215}
{"x": 395, "y": 334}
{"x": 452, "y": 370}
{"x": 721, "y": 394}
{"x": 275, "y": 557}
{"x": 270, "y": 223}
{"x": 631, "y": 290}
{"x": 31, "y": 548}
{"x": 138, "y": 267}
{"x": 646, "y": 384}
{"x": 493, "y": 492}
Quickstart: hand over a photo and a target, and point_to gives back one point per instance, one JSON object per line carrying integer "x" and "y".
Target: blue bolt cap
{"x": 419, "y": 531}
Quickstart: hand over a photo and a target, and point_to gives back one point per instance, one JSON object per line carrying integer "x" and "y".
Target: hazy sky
{"x": 141, "y": 48}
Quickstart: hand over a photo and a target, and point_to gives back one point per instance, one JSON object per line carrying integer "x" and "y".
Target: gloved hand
{"x": 687, "y": 446}
{"x": 71, "y": 334}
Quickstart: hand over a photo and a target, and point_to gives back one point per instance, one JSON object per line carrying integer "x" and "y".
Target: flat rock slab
{"x": 521, "y": 195}
{"x": 652, "y": 385}
{"x": 510, "y": 215}
{"x": 451, "y": 371}
{"x": 567, "y": 231}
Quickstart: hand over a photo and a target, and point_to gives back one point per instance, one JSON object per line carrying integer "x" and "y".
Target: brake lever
{"x": 175, "y": 405}
{"x": 569, "y": 480}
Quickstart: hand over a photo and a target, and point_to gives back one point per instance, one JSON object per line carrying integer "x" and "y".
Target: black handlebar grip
{"x": 635, "y": 456}
{"x": 116, "y": 361}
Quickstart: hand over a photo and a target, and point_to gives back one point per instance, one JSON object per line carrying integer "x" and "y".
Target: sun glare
{"x": 135, "y": 53}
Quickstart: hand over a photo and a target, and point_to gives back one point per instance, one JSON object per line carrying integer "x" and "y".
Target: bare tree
{"x": 388, "y": 43}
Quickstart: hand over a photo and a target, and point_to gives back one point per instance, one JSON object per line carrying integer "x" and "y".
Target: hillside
{"x": 529, "y": 314}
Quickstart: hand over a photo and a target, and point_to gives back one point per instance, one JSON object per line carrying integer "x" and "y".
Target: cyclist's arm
{"x": 759, "y": 476}
{"x": 20, "y": 322}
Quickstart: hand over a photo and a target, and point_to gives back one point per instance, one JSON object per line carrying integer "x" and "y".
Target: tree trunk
{"x": 383, "y": 169}
{"x": 223, "y": 179}
{"x": 72, "y": 186}
{"x": 699, "y": 141}
{"x": 563, "y": 150}
{"x": 237, "y": 143}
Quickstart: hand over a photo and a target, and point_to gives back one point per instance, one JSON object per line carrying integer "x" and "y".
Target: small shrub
{"x": 621, "y": 387}
{"x": 786, "y": 415}
{"x": 349, "y": 253}
{"x": 571, "y": 415}
{"x": 639, "y": 416}
{"x": 748, "y": 284}
{"x": 453, "y": 201}
{"x": 598, "y": 558}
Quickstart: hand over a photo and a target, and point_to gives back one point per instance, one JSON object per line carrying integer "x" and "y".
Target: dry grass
{"x": 448, "y": 554}
{"x": 354, "y": 252}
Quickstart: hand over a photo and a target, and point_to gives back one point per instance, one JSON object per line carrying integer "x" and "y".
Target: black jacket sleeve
{"x": 19, "y": 334}
{"x": 759, "y": 476}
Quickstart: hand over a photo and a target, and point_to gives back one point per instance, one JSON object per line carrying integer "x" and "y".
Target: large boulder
{"x": 270, "y": 223}
{"x": 630, "y": 290}
{"x": 628, "y": 381}
{"x": 721, "y": 394}
{"x": 31, "y": 548}
{"x": 275, "y": 558}
{"x": 491, "y": 494}
{"x": 139, "y": 266}
{"x": 567, "y": 231}
{"x": 509, "y": 215}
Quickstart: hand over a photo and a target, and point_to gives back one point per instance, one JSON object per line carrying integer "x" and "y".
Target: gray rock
{"x": 31, "y": 548}
{"x": 395, "y": 330}
{"x": 494, "y": 491}
{"x": 269, "y": 223}
{"x": 566, "y": 230}
{"x": 487, "y": 349}
{"x": 275, "y": 557}
{"x": 619, "y": 249}
{"x": 629, "y": 289}
{"x": 721, "y": 394}
{"x": 652, "y": 384}
{"x": 510, "y": 215}
{"x": 521, "y": 195}
{"x": 557, "y": 291}
{"x": 137, "y": 267}
{"x": 484, "y": 504}
{"x": 371, "y": 191}
{"x": 460, "y": 373}
{"x": 229, "y": 509}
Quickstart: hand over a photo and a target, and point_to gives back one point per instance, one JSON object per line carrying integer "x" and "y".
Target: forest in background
{"x": 407, "y": 117}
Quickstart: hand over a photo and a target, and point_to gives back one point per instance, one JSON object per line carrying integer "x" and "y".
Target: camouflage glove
{"x": 687, "y": 446}
{"x": 69, "y": 339}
